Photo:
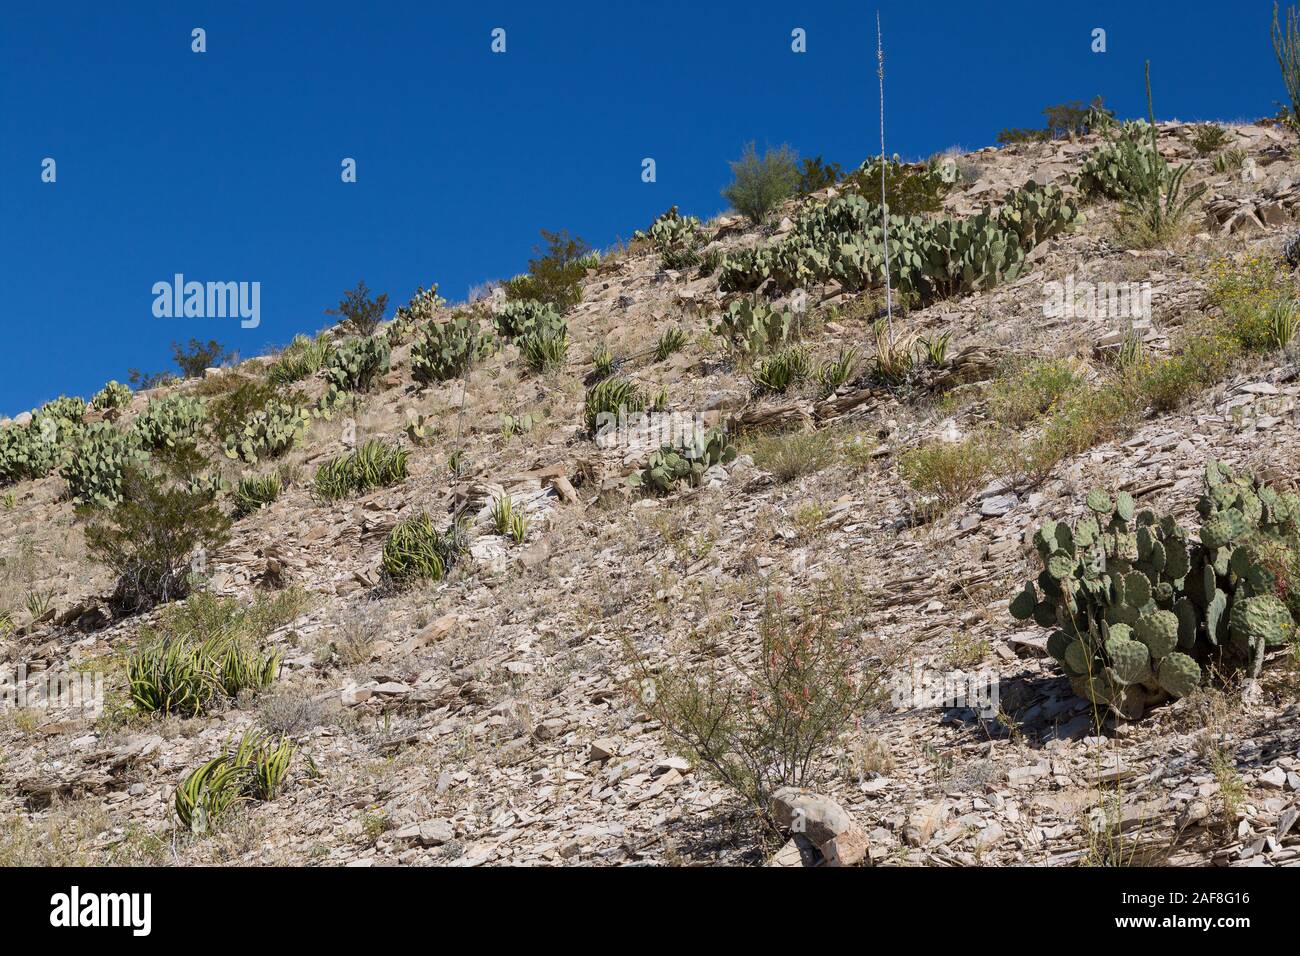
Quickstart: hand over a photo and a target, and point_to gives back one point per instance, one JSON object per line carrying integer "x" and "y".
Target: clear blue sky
{"x": 225, "y": 165}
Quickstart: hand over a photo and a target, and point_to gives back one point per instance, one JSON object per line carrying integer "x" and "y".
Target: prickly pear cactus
{"x": 445, "y": 350}
{"x": 97, "y": 463}
{"x": 114, "y": 396}
{"x": 670, "y": 466}
{"x": 268, "y": 433}
{"x": 1141, "y": 610}
{"x": 356, "y": 365}
{"x": 169, "y": 422}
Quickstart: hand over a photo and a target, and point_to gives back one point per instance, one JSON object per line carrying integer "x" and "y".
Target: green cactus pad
{"x": 1263, "y": 617}
{"x": 1179, "y": 675}
{"x": 1158, "y": 631}
{"x": 1130, "y": 660}
{"x": 1100, "y": 502}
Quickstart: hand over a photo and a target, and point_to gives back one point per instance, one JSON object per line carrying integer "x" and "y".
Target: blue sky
{"x": 225, "y": 165}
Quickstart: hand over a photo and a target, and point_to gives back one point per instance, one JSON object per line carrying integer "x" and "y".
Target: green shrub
{"x": 1031, "y": 391}
{"x": 148, "y": 539}
{"x": 790, "y": 455}
{"x": 445, "y": 350}
{"x": 769, "y": 720}
{"x": 1208, "y": 138}
{"x": 815, "y": 175}
{"x": 603, "y": 362}
{"x": 255, "y": 769}
{"x": 947, "y": 473}
{"x": 113, "y": 397}
{"x": 375, "y": 464}
{"x": 254, "y": 492}
{"x": 232, "y": 399}
{"x": 909, "y": 190}
{"x": 197, "y": 357}
{"x": 554, "y": 276}
{"x": 758, "y": 186}
{"x": 357, "y": 363}
{"x": 416, "y": 550}
{"x": 1062, "y": 120}
{"x": 360, "y": 313}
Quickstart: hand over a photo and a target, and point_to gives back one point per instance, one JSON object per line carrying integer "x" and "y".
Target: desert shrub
{"x": 232, "y": 399}
{"x": 815, "y": 174}
{"x": 357, "y": 363}
{"x": 303, "y": 358}
{"x": 768, "y": 721}
{"x": 113, "y": 397}
{"x": 555, "y": 276}
{"x": 360, "y": 313}
{"x": 909, "y": 190}
{"x": 1026, "y": 393}
{"x": 205, "y": 615}
{"x": 141, "y": 380}
{"x": 947, "y": 473}
{"x": 375, "y": 464}
{"x": 1018, "y": 134}
{"x": 254, "y": 769}
{"x": 149, "y": 538}
{"x": 758, "y": 186}
{"x": 1208, "y": 138}
{"x": 254, "y": 492}
{"x": 1062, "y": 120}
{"x": 445, "y": 350}
{"x": 791, "y": 455}
{"x": 415, "y": 549}
{"x": 197, "y": 357}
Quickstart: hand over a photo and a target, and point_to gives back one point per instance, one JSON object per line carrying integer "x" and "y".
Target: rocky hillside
{"x": 491, "y": 717}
